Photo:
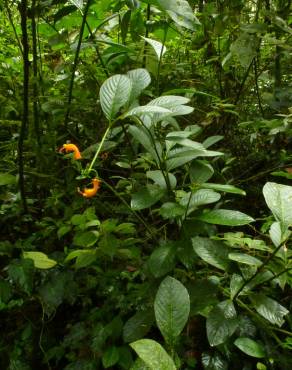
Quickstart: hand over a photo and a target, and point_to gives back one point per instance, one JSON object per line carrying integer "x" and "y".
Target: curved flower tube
{"x": 71, "y": 148}
{"x": 91, "y": 192}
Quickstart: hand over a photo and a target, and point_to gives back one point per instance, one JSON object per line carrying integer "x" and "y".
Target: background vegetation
{"x": 182, "y": 113}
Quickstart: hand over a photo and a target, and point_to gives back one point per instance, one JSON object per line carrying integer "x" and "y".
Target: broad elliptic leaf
{"x": 221, "y": 323}
{"x": 162, "y": 259}
{"x": 245, "y": 259}
{"x": 211, "y": 251}
{"x": 180, "y": 12}
{"x": 146, "y": 197}
{"x": 225, "y": 217}
{"x": 171, "y": 210}
{"x": 153, "y": 354}
{"x": 169, "y": 101}
{"x": 140, "y": 78}
{"x": 140, "y": 365}
{"x": 138, "y": 326}
{"x": 86, "y": 238}
{"x": 279, "y": 199}
{"x": 270, "y": 309}
{"x": 226, "y": 188}
{"x": 245, "y": 48}
{"x": 158, "y": 47}
{"x": 200, "y": 171}
{"x": 172, "y": 308}
{"x": 114, "y": 93}
{"x": 193, "y": 200}
{"x": 158, "y": 178}
{"x": 40, "y": 260}
{"x": 276, "y": 233}
{"x": 250, "y": 347}
{"x": 110, "y": 357}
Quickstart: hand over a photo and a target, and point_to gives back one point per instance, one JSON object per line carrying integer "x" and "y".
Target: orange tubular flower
{"x": 91, "y": 192}
{"x": 71, "y": 148}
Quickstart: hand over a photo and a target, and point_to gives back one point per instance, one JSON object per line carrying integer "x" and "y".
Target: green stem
{"x": 100, "y": 147}
{"x": 160, "y": 59}
{"x": 271, "y": 256}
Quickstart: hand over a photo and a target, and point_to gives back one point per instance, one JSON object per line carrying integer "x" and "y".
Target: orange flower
{"x": 91, "y": 192}
{"x": 71, "y": 148}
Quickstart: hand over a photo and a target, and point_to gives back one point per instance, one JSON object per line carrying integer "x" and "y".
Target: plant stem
{"x": 100, "y": 147}
{"x": 70, "y": 93}
{"x": 160, "y": 59}
{"x": 271, "y": 256}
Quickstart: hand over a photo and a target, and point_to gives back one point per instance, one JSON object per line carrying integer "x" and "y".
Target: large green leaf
{"x": 40, "y": 260}
{"x": 138, "y": 326}
{"x": 157, "y": 46}
{"x": 110, "y": 357}
{"x": 86, "y": 238}
{"x": 146, "y": 197}
{"x": 140, "y": 78}
{"x": 169, "y": 101}
{"x": 245, "y": 48}
{"x": 221, "y": 323}
{"x": 200, "y": 171}
{"x": 225, "y": 217}
{"x": 279, "y": 199}
{"x": 114, "y": 93}
{"x": 245, "y": 259}
{"x": 153, "y": 354}
{"x": 140, "y": 365}
{"x": 172, "y": 308}
{"x": 162, "y": 259}
{"x": 142, "y": 136}
{"x": 250, "y": 347}
{"x": 180, "y": 12}
{"x": 270, "y": 309}
{"x": 158, "y": 178}
{"x": 214, "y": 361}
{"x": 203, "y": 294}
{"x": 226, "y": 188}
{"x": 202, "y": 196}
{"x": 7, "y": 179}
{"x": 147, "y": 109}
{"x": 213, "y": 252}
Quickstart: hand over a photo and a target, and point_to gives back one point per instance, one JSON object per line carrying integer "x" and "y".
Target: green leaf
{"x": 169, "y": 101}
{"x": 203, "y": 294}
{"x": 213, "y": 252}
{"x": 172, "y": 308}
{"x": 245, "y": 48}
{"x": 141, "y": 135}
{"x": 200, "y": 171}
{"x": 198, "y": 198}
{"x": 159, "y": 48}
{"x": 162, "y": 259}
{"x": 245, "y": 259}
{"x": 279, "y": 199}
{"x": 40, "y": 260}
{"x": 221, "y": 323}
{"x": 147, "y": 109}
{"x": 270, "y": 309}
{"x": 77, "y": 3}
{"x": 7, "y": 179}
{"x": 225, "y": 188}
{"x": 153, "y": 354}
{"x": 276, "y": 233}
{"x": 109, "y": 244}
{"x": 110, "y": 357}
{"x": 214, "y": 361}
{"x": 84, "y": 257}
{"x": 140, "y": 78}
{"x": 212, "y": 140}
{"x": 171, "y": 210}
{"x": 180, "y": 12}
{"x": 250, "y": 347}
{"x": 114, "y": 93}
{"x": 138, "y": 326}
{"x": 86, "y": 239}
{"x": 225, "y": 217}
{"x": 140, "y": 365}
{"x": 158, "y": 178}
{"x": 146, "y": 197}
{"x": 21, "y": 272}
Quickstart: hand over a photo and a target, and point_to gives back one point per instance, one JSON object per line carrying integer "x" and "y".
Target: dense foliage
{"x": 146, "y": 198}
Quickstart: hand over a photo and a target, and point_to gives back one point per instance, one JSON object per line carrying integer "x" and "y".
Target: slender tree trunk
{"x": 25, "y": 122}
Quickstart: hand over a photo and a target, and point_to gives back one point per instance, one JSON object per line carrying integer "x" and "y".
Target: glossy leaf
{"x": 172, "y": 308}
{"x": 270, "y": 309}
{"x": 162, "y": 259}
{"x": 140, "y": 79}
{"x": 146, "y": 197}
{"x": 213, "y": 252}
{"x": 225, "y": 217}
{"x": 221, "y": 323}
{"x": 222, "y": 187}
{"x": 250, "y": 347}
{"x": 153, "y": 354}
{"x": 245, "y": 259}
{"x": 157, "y": 46}
{"x": 138, "y": 326}
{"x": 114, "y": 93}
{"x": 279, "y": 199}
